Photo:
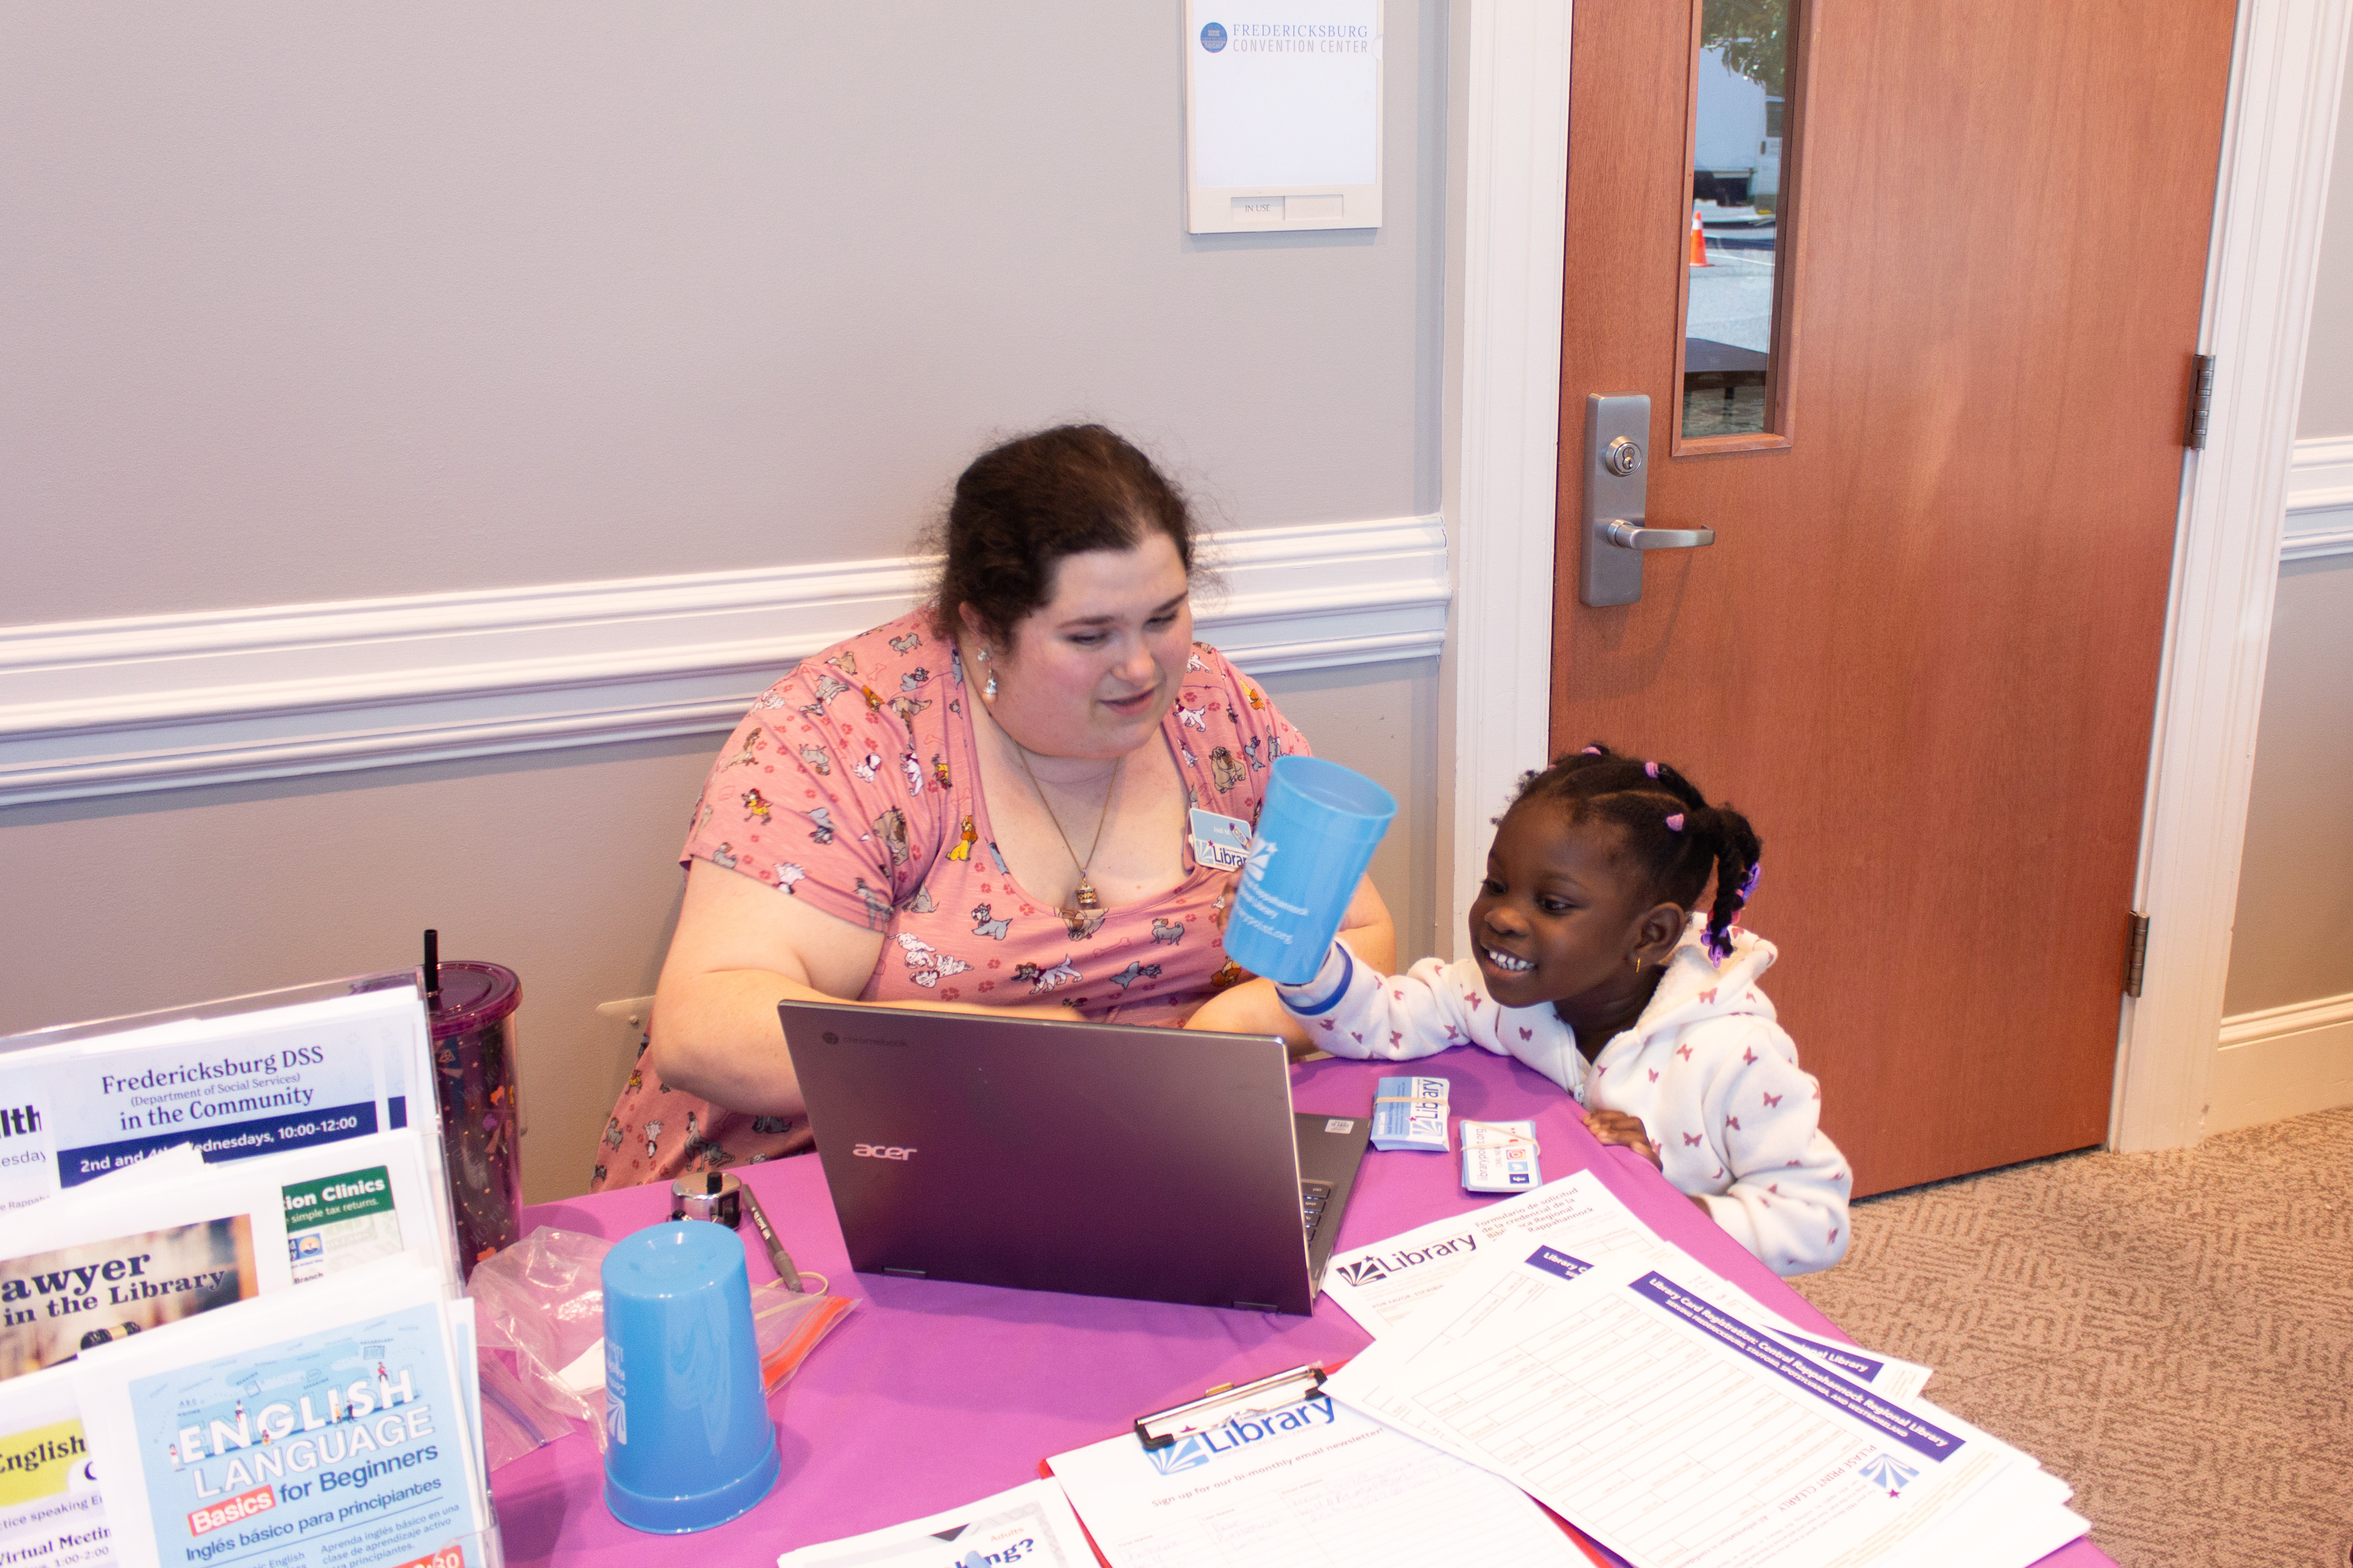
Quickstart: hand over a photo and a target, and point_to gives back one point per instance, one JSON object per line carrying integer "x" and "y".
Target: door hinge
{"x": 2136, "y": 954}
{"x": 2202, "y": 401}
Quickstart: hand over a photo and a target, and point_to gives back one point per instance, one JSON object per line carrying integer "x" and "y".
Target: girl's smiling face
{"x": 1563, "y": 915}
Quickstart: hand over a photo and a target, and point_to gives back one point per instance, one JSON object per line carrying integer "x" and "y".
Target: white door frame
{"x": 1506, "y": 192}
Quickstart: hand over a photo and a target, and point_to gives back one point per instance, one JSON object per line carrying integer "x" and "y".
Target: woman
{"x": 991, "y": 804}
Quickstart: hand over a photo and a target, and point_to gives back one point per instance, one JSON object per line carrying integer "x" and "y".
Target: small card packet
{"x": 1410, "y": 1113}
{"x": 1500, "y": 1156}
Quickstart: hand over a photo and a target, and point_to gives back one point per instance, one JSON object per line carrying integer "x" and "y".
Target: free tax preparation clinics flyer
{"x": 343, "y": 1447}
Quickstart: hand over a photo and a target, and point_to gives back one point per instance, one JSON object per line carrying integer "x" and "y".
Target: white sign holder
{"x": 1282, "y": 115}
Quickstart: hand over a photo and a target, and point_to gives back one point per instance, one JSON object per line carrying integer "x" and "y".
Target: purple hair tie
{"x": 1651, "y": 769}
{"x": 1675, "y": 823}
{"x": 1748, "y": 883}
{"x": 1718, "y": 944}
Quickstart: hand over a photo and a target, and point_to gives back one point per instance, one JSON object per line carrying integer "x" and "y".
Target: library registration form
{"x": 1674, "y": 1432}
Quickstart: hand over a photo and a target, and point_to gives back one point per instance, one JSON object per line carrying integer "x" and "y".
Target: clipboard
{"x": 1162, "y": 1429}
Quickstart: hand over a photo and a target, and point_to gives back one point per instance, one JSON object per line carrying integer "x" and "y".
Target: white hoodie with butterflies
{"x": 1712, "y": 1077}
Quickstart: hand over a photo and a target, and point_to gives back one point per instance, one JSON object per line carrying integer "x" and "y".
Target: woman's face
{"x": 1091, "y": 671}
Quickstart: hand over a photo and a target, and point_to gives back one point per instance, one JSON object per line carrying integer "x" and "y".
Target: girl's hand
{"x": 1627, "y": 1132}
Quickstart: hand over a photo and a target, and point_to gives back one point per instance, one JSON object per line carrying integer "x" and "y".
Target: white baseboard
{"x": 2283, "y": 1061}
{"x": 97, "y": 708}
{"x": 2319, "y": 499}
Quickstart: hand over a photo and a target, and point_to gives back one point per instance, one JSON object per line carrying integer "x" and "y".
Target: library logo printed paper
{"x": 1403, "y": 1259}
{"x": 1189, "y": 1455}
{"x": 1240, "y": 1432}
{"x": 1886, "y": 1470}
{"x": 1557, "y": 1263}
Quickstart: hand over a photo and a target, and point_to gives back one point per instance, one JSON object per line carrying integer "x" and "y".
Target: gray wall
{"x": 2293, "y": 940}
{"x": 560, "y": 865}
{"x": 1382, "y": 720}
{"x": 303, "y": 305}
{"x": 2326, "y": 408}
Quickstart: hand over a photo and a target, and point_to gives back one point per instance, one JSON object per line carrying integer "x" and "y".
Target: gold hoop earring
{"x": 1638, "y": 961}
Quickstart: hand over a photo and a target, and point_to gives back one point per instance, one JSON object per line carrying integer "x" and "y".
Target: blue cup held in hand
{"x": 689, "y": 1443}
{"x": 1316, "y": 834}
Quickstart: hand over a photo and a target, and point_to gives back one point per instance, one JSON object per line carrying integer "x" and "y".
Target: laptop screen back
{"x": 1101, "y": 1159}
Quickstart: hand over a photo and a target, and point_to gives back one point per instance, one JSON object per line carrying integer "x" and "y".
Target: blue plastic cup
{"x": 1316, "y": 834}
{"x": 689, "y": 1443}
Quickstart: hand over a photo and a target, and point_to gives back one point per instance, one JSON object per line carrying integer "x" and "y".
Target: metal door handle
{"x": 1634, "y": 536}
{"x": 1613, "y": 536}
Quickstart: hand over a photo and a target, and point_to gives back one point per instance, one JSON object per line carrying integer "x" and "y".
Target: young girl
{"x": 1590, "y": 964}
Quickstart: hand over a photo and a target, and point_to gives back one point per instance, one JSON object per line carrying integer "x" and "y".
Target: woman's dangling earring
{"x": 988, "y": 692}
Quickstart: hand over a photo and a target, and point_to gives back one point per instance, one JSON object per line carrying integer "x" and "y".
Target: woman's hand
{"x": 1626, "y": 1132}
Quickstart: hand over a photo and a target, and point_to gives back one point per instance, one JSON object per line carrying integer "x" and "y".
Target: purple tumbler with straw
{"x": 473, "y": 1007}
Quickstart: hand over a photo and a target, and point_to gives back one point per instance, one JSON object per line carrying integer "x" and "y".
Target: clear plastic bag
{"x": 540, "y": 1309}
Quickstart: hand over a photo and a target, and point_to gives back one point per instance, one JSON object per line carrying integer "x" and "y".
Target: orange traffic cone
{"x": 1698, "y": 240}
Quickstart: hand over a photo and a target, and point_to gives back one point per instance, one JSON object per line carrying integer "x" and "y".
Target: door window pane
{"x": 1738, "y": 216}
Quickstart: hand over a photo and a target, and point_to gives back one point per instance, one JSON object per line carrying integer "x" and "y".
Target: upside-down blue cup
{"x": 689, "y": 1443}
{"x": 1316, "y": 833}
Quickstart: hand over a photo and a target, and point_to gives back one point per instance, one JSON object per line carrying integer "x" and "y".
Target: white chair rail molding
{"x": 2319, "y": 498}
{"x": 114, "y": 707}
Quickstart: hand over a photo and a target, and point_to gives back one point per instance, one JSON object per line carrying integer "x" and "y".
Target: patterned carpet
{"x": 2172, "y": 1334}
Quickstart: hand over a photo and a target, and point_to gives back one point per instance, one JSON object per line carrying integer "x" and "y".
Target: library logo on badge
{"x": 1190, "y": 1454}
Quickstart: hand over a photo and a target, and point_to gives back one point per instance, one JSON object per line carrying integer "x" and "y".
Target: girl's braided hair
{"x": 1671, "y": 832}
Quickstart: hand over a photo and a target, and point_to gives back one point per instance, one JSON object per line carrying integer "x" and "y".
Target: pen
{"x": 786, "y": 1270}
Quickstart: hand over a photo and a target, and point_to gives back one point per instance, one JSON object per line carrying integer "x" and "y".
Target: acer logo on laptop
{"x": 880, "y": 1151}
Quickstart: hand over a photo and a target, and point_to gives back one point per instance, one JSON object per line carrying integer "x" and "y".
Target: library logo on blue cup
{"x": 1213, "y": 37}
{"x": 1316, "y": 834}
{"x": 685, "y": 1409}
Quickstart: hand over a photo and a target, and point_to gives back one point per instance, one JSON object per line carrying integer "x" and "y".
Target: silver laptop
{"x": 1102, "y": 1159}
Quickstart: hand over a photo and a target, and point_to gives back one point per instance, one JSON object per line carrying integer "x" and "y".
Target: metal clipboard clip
{"x": 1163, "y": 1427}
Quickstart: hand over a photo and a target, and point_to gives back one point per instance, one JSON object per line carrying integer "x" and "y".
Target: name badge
{"x": 1221, "y": 843}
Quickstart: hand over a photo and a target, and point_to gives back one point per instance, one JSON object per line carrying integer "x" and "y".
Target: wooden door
{"x": 1923, "y": 653}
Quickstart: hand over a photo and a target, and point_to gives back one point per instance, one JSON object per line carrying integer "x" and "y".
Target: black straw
{"x": 432, "y": 966}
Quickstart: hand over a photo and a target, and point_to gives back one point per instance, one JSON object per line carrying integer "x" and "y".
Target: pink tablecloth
{"x": 931, "y": 1394}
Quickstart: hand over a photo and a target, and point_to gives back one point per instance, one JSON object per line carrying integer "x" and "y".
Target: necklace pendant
{"x": 1083, "y": 896}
